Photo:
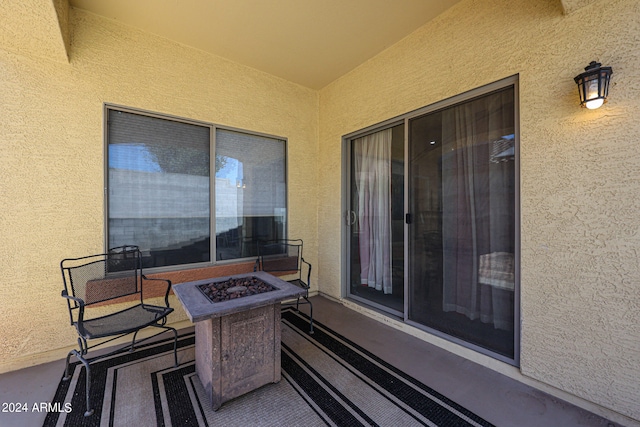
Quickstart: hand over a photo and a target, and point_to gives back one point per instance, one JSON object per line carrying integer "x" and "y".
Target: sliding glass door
{"x": 432, "y": 220}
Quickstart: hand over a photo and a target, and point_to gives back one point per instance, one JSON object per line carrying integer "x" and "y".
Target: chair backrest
{"x": 102, "y": 277}
{"x": 282, "y": 256}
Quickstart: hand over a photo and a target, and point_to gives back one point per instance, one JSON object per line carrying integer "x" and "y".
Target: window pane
{"x": 377, "y": 214}
{"x": 251, "y": 193}
{"x": 159, "y": 195}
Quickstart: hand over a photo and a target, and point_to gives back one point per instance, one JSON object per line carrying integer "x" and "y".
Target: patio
{"x": 496, "y": 398}
{"x": 75, "y": 74}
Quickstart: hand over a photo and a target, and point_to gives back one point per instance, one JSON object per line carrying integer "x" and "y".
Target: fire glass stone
{"x": 234, "y": 288}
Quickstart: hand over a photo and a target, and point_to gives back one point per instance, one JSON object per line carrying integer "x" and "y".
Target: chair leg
{"x": 67, "y": 376}
{"x": 133, "y": 342}
{"x": 175, "y": 347}
{"x": 310, "y": 315}
{"x": 175, "y": 342}
{"x": 310, "y": 311}
{"x": 89, "y": 411}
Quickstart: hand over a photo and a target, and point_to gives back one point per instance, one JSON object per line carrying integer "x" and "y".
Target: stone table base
{"x": 238, "y": 353}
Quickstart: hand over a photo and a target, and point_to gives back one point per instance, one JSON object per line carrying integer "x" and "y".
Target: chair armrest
{"x": 66, "y": 295}
{"x": 166, "y": 294}
{"x": 308, "y": 272}
{"x": 80, "y": 302}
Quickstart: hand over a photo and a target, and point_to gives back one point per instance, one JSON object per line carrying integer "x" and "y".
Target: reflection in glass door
{"x": 376, "y": 219}
{"x": 462, "y": 234}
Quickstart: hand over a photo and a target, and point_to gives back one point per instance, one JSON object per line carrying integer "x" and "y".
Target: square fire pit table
{"x": 237, "y": 340}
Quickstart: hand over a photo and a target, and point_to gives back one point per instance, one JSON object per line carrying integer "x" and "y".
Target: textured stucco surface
{"x": 570, "y": 6}
{"x": 35, "y": 27}
{"x": 52, "y": 175}
{"x": 580, "y": 194}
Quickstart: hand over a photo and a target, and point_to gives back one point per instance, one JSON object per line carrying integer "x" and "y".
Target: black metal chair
{"x": 96, "y": 279}
{"x": 285, "y": 257}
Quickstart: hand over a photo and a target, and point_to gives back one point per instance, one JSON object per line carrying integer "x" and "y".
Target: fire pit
{"x": 237, "y": 323}
{"x": 234, "y": 288}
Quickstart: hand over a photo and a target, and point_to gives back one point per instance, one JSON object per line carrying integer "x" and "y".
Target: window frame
{"x": 213, "y": 128}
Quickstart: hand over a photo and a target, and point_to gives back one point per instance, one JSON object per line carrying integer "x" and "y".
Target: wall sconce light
{"x": 593, "y": 85}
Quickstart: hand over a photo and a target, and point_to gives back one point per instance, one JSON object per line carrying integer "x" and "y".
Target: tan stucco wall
{"x": 52, "y": 174}
{"x": 570, "y": 6}
{"x": 580, "y": 194}
{"x": 36, "y": 28}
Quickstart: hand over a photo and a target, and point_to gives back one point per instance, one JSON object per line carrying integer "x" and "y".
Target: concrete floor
{"x": 497, "y": 398}
{"x": 493, "y": 396}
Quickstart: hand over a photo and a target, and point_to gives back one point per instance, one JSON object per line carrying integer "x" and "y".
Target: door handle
{"x": 352, "y": 217}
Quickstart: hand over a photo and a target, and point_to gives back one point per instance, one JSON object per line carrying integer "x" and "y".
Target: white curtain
{"x": 478, "y": 211}
{"x": 372, "y": 164}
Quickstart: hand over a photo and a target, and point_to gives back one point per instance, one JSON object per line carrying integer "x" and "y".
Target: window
{"x": 160, "y": 189}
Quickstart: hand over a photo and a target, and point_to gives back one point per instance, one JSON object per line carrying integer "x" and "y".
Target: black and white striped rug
{"x": 326, "y": 380}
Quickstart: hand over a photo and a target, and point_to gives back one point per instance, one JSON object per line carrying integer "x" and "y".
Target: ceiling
{"x": 309, "y": 42}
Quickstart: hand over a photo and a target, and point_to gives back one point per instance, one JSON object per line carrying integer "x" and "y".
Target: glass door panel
{"x": 462, "y": 234}
{"x": 376, "y": 219}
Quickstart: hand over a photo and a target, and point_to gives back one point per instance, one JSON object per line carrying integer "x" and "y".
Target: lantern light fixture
{"x": 593, "y": 85}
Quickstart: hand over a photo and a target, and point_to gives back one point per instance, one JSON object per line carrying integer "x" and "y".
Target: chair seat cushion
{"x": 125, "y": 321}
